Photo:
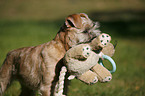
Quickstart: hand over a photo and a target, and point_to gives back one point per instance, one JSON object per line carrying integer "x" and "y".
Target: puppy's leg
{"x": 45, "y": 90}
{"x": 27, "y": 91}
{"x": 6, "y": 73}
{"x": 46, "y": 84}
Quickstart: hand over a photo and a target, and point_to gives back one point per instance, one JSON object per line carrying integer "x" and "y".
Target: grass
{"x": 29, "y": 23}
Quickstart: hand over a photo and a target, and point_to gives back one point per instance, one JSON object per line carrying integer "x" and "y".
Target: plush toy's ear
{"x": 109, "y": 49}
{"x": 102, "y": 73}
{"x": 88, "y": 77}
{"x": 74, "y": 21}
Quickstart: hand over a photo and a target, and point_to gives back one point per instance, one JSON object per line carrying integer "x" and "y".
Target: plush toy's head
{"x": 80, "y": 59}
{"x": 78, "y": 52}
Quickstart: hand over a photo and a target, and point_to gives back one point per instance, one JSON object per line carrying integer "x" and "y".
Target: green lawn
{"x": 33, "y": 22}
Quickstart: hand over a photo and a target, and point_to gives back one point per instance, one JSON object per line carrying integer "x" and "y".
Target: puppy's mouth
{"x": 88, "y": 41}
{"x": 92, "y": 33}
{"x": 94, "y": 30}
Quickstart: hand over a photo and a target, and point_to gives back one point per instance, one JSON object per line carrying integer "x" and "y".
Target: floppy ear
{"x": 74, "y": 21}
{"x": 84, "y": 15}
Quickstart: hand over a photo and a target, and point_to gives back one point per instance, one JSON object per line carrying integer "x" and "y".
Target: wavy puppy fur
{"x": 38, "y": 67}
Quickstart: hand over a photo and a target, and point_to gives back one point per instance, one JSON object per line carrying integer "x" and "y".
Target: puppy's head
{"x": 77, "y": 29}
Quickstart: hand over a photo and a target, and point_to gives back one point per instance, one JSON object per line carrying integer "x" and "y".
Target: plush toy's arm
{"x": 79, "y": 52}
{"x": 102, "y": 44}
{"x": 100, "y": 41}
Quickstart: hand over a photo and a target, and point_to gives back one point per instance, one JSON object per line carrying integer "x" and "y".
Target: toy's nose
{"x": 107, "y": 79}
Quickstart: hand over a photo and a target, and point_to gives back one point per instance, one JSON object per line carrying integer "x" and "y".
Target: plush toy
{"x": 79, "y": 60}
{"x": 82, "y": 62}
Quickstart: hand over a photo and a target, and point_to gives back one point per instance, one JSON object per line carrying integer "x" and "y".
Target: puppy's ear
{"x": 73, "y": 21}
{"x": 84, "y": 15}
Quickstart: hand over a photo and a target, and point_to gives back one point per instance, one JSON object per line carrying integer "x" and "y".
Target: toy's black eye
{"x": 107, "y": 40}
{"x": 105, "y": 44}
{"x": 87, "y": 48}
{"x": 109, "y": 78}
{"x": 87, "y": 53}
{"x": 107, "y": 36}
{"x": 103, "y": 36}
{"x": 101, "y": 40}
{"x": 83, "y": 49}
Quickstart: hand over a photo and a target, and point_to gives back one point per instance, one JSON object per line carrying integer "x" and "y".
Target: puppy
{"x": 38, "y": 67}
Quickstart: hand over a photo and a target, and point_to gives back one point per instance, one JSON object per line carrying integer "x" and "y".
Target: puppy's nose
{"x": 107, "y": 79}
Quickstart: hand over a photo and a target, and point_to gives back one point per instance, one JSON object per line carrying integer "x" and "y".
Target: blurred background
{"x": 33, "y": 22}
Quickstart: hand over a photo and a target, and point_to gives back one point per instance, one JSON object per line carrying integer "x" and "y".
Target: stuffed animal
{"x": 82, "y": 62}
{"x": 80, "y": 59}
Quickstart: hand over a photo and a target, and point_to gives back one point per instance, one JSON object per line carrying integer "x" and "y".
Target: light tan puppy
{"x": 38, "y": 67}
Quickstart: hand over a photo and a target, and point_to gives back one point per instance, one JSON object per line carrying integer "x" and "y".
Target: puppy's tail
{"x": 5, "y": 73}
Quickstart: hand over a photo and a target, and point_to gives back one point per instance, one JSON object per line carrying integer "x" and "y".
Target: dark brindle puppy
{"x": 38, "y": 67}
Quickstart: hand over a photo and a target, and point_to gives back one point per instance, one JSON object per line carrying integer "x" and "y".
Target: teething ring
{"x": 110, "y": 60}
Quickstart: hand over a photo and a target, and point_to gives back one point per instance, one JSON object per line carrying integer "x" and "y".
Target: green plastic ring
{"x": 110, "y": 60}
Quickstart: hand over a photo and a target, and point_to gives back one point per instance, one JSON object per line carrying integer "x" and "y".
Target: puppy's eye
{"x": 70, "y": 23}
